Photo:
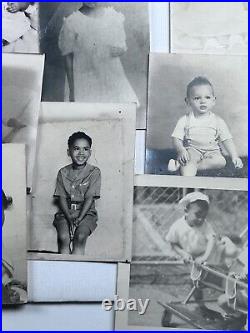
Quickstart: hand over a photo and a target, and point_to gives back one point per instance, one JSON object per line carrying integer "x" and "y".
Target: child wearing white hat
{"x": 193, "y": 238}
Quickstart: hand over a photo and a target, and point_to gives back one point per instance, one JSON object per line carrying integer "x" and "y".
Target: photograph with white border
{"x": 165, "y": 279}
{"x": 197, "y": 115}
{"x": 96, "y": 52}
{"x": 83, "y": 193}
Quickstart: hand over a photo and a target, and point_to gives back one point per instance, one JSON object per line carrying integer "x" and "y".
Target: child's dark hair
{"x": 6, "y": 201}
{"x": 202, "y": 203}
{"x": 199, "y": 81}
{"x": 79, "y": 135}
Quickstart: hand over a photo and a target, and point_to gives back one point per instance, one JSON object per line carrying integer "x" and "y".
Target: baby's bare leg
{"x": 191, "y": 167}
{"x": 63, "y": 239}
{"x": 213, "y": 160}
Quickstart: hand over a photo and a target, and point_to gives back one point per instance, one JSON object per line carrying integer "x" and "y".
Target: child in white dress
{"x": 91, "y": 40}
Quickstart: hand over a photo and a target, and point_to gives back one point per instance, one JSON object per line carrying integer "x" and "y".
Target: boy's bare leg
{"x": 80, "y": 239}
{"x": 191, "y": 167}
{"x": 63, "y": 239}
{"x": 211, "y": 161}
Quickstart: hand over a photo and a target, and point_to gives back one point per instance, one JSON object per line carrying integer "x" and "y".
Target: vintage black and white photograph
{"x": 14, "y": 225}
{"x": 83, "y": 185}
{"x": 96, "y": 52}
{"x": 20, "y": 27}
{"x": 197, "y": 116}
{"x": 190, "y": 258}
{"x": 22, "y": 85}
{"x": 209, "y": 27}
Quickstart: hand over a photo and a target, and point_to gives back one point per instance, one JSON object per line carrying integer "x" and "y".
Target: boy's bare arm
{"x": 86, "y": 206}
{"x": 182, "y": 153}
{"x": 186, "y": 256}
{"x": 231, "y": 149}
{"x": 65, "y": 209}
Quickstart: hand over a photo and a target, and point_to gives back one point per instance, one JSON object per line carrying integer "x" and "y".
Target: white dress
{"x": 98, "y": 76}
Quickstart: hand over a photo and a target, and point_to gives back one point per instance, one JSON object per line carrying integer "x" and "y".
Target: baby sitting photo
{"x": 197, "y": 115}
{"x": 200, "y": 135}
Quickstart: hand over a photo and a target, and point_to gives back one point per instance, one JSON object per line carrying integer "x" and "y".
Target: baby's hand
{"x": 200, "y": 260}
{"x": 183, "y": 157}
{"x": 187, "y": 258}
{"x": 238, "y": 164}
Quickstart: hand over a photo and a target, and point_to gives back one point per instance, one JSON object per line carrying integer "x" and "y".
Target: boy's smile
{"x": 201, "y": 99}
{"x": 80, "y": 152}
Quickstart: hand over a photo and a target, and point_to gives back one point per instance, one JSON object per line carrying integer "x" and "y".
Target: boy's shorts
{"x": 88, "y": 223}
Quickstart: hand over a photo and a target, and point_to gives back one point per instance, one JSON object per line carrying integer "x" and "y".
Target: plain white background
{"x": 80, "y": 317}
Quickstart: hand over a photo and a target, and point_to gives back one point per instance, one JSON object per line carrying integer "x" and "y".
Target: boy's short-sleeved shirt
{"x": 203, "y": 133}
{"x": 76, "y": 184}
{"x": 192, "y": 240}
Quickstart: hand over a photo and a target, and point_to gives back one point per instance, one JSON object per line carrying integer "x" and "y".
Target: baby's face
{"x": 80, "y": 152}
{"x": 195, "y": 215}
{"x": 201, "y": 99}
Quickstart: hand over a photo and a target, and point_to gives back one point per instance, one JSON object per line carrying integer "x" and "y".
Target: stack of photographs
{"x": 125, "y": 169}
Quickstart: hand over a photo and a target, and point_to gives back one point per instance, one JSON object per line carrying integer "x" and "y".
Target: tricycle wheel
{"x": 166, "y": 318}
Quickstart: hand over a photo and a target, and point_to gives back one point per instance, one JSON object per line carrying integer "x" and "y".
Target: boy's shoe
{"x": 173, "y": 165}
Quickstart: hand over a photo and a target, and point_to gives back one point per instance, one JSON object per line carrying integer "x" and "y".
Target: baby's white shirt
{"x": 203, "y": 132}
{"x": 192, "y": 240}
